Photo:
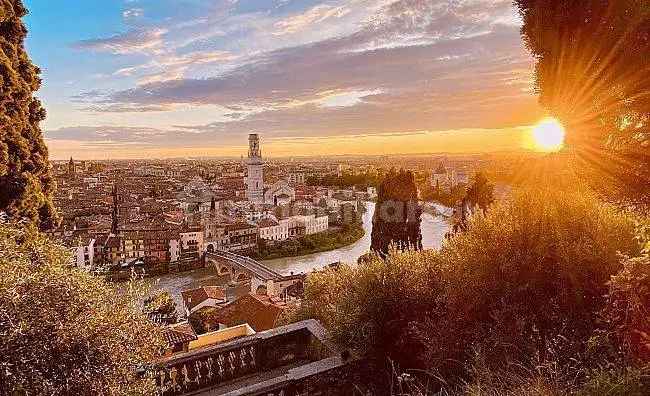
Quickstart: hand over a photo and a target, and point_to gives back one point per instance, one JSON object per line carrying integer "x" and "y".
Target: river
{"x": 433, "y": 229}
{"x": 433, "y": 233}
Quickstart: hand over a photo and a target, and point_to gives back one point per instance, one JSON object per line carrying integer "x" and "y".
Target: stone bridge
{"x": 264, "y": 280}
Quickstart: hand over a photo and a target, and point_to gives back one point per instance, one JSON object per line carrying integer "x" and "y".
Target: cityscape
{"x": 325, "y": 197}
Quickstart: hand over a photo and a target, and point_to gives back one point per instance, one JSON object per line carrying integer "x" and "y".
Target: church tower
{"x": 255, "y": 165}
{"x": 71, "y": 168}
{"x": 115, "y": 213}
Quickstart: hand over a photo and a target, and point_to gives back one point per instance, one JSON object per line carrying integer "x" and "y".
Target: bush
{"x": 525, "y": 283}
{"x": 372, "y": 307}
{"x": 627, "y": 313}
{"x": 530, "y": 277}
{"x": 161, "y": 303}
{"x": 63, "y": 331}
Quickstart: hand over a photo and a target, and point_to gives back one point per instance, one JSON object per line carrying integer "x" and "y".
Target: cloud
{"x": 315, "y": 15}
{"x": 413, "y": 65}
{"x": 105, "y": 134}
{"x": 172, "y": 67}
{"x": 302, "y": 73}
{"x": 132, "y": 13}
{"x": 125, "y": 108}
{"x": 133, "y": 41}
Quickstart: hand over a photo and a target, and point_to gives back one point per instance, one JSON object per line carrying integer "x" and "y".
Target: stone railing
{"x": 279, "y": 359}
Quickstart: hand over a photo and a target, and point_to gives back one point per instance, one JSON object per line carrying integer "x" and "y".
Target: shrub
{"x": 63, "y": 331}
{"x": 529, "y": 278}
{"x": 373, "y": 307}
{"x": 525, "y": 282}
{"x": 627, "y": 313}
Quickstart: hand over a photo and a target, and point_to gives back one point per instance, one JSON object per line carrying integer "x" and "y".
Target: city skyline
{"x": 138, "y": 79}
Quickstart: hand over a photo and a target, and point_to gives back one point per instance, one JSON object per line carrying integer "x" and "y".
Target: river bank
{"x": 311, "y": 244}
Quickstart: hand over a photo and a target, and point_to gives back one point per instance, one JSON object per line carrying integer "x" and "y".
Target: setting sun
{"x": 548, "y": 135}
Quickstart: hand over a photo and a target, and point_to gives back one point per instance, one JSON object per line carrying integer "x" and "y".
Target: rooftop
{"x": 194, "y": 297}
{"x": 179, "y": 333}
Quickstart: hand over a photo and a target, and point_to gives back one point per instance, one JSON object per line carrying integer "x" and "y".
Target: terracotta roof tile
{"x": 179, "y": 333}
{"x": 260, "y": 312}
{"x": 267, "y": 223}
{"x": 194, "y": 297}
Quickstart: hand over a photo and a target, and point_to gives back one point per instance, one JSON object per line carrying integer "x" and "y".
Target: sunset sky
{"x": 169, "y": 78}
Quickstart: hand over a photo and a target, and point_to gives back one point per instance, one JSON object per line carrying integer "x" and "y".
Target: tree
{"x": 161, "y": 304}
{"x": 26, "y": 185}
{"x": 397, "y": 214}
{"x": 593, "y": 73}
{"x": 480, "y": 192}
{"x": 63, "y": 331}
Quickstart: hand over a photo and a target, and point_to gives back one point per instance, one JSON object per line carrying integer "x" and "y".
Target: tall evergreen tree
{"x": 397, "y": 214}
{"x": 593, "y": 73}
{"x": 26, "y": 185}
{"x": 480, "y": 192}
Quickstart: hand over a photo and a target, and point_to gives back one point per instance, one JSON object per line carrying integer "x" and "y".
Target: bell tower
{"x": 255, "y": 167}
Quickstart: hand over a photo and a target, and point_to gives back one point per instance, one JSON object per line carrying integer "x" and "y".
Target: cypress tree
{"x": 26, "y": 185}
{"x": 396, "y": 220}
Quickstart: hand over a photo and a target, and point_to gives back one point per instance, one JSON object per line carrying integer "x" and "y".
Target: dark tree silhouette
{"x": 480, "y": 192}
{"x": 593, "y": 73}
{"x": 397, "y": 214}
{"x": 26, "y": 186}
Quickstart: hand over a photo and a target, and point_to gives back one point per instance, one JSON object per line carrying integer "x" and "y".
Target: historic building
{"x": 255, "y": 167}
{"x": 279, "y": 193}
{"x": 71, "y": 168}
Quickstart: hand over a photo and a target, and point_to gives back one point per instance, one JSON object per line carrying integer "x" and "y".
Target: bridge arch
{"x": 263, "y": 280}
{"x": 242, "y": 277}
{"x": 223, "y": 270}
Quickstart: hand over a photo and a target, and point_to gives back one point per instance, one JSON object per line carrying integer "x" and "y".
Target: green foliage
{"x": 202, "y": 321}
{"x": 531, "y": 272}
{"x": 396, "y": 221}
{"x": 525, "y": 281}
{"x": 549, "y": 379}
{"x": 26, "y": 186}
{"x": 62, "y": 331}
{"x": 362, "y": 181}
{"x": 447, "y": 197}
{"x": 372, "y": 307}
{"x": 308, "y": 244}
{"x": 627, "y": 312}
{"x": 161, "y": 302}
{"x": 617, "y": 381}
{"x": 592, "y": 73}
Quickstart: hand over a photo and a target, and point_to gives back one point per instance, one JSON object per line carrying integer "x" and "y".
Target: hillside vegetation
{"x": 549, "y": 290}
{"x": 63, "y": 331}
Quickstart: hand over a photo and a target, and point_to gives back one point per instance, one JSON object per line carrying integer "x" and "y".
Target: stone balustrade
{"x": 279, "y": 361}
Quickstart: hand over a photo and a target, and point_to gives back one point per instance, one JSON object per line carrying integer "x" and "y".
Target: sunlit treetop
{"x": 593, "y": 75}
